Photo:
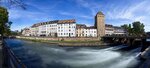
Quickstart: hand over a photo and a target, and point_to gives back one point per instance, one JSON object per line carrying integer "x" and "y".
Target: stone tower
{"x": 100, "y": 24}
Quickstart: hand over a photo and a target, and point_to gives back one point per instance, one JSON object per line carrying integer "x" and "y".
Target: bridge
{"x": 131, "y": 41}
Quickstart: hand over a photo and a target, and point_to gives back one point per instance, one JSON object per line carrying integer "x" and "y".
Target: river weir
{"x": 42, "y": 55}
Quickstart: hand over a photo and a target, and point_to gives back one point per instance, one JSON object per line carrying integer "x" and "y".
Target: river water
{"x": 42, "y": 55}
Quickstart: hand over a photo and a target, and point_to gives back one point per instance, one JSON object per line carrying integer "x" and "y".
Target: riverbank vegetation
{"x": 135, "y": 29}
{"x": 68, "y": 43}
{"x": 4, "y": 22}
{"x": 62, "y": 41}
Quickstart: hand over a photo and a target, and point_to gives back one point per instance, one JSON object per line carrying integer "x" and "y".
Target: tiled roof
{"x": 80, "y": 25}
{"x": 44, "y": 23}
{"x": 54, "y": 21}
{"x": 108, "y": 25}
{"x": 91, "y": 27}
{"x": 66, "y": 21}
{"x": 116, "y": 27}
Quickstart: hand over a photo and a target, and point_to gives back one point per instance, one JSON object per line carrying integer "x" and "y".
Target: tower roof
{"x": 100, "y": 13}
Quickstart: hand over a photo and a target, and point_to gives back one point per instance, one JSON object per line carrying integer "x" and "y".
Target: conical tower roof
{"x": 100, "y": 13}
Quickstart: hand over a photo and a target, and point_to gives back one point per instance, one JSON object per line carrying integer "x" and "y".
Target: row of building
{"x": 69, "y": 28}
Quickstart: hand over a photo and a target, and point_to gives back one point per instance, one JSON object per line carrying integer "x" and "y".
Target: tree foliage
{"x": 137, "y": 28}
{"x": 4, "y": 22}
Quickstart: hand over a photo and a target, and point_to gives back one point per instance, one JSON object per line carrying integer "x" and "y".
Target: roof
{"x": 66, "y": 21}
{"x": 117, "y": 27}
{"x": 44, "y": 23}
{"x": 80, "y": 25}
{"x": 108, "y": 25}
{"x": 91, "y": 27}
{"x": 100, "y": 13}
{"x": 54, "y": 21}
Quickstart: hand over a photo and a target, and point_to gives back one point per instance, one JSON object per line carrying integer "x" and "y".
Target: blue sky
{"x": 117, "y": 12}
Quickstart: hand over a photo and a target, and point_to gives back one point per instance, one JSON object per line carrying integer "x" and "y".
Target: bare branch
{"x": 18, "y": 3}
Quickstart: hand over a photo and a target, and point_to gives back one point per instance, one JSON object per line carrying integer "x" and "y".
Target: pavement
{"x": 0, "y": 55}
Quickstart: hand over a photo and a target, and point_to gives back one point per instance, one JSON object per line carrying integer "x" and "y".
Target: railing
{"x": 9, "y": 58}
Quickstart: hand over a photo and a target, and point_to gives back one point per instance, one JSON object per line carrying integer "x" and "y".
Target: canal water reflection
{"x": 41, "y": 55}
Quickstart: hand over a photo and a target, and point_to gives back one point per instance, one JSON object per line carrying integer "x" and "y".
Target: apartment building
{"x": 66, "y": 28}
{"x": 90, "y": 32}
{"x": 56, "y": 28}
{"x": 80, "y": 30}
{"x": 84, "y": 31}
{"x": 119, "y": 30}
{"x": 26, "y": 32}
{"x": 109, "y": 29}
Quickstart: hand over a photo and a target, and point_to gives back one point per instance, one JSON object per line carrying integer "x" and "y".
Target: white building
{"x": 90, "y": 32}
{"x": 66, "y": 28}
{"x": 109, "y": 29}
{"x": 84, "y": 31}
{"x": 119, "y": 30}
{"x": 56, "y": 28}
{"x": 26, "y": 32}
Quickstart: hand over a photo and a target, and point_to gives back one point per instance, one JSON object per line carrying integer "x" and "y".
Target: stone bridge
{"x": 131, "y": 41}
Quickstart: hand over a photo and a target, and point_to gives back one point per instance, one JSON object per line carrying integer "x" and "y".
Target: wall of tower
{"x": 100, "y": 25}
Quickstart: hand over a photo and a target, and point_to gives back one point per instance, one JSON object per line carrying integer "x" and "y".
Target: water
{"x": 40, "y": 55}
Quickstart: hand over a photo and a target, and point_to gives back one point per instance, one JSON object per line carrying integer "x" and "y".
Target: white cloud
{"x": 25, "y": 14}
{"x": 76, "y": 15}
{"x": 138, "y": 11}
{"x": 92, "y": 6}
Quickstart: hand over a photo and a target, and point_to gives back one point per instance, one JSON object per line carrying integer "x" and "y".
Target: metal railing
{"x": 9, "y": 58}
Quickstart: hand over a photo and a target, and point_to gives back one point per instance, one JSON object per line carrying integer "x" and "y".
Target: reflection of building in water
{"x": 69, "y": 28}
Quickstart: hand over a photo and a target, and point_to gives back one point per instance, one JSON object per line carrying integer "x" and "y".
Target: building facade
{"x": 69, "y": 28}
{"x": 84, "y": 31}
{"x": 109, "y": 29}
{"x": 66, "y": 28}
{"x": 90, "y": 32}
{"x": 26, "y": 32}
{"x": 119, "y": 30}
{"x": 56, "y": 28}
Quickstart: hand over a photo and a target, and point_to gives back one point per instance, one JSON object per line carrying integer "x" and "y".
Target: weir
{"x": 132, "y": 41}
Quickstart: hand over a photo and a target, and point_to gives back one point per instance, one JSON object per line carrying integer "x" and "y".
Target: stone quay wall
{"x": 62, "y": 38}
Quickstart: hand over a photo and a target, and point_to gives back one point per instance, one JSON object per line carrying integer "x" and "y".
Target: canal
{"x": 42, "y": 55}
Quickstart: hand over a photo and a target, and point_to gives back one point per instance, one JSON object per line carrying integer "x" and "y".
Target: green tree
{"x": 128, "y": 28}
{"x": 4, "y": 22}
{"x": 138, "y": 28}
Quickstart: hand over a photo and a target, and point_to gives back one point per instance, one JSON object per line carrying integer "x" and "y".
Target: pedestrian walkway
{"x": 0, "y": 55}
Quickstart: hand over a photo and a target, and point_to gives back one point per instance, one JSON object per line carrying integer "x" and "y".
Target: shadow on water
{"x": 41, "y": 55}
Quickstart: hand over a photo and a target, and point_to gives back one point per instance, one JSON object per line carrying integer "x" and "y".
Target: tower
{"x": 100, "y": 24}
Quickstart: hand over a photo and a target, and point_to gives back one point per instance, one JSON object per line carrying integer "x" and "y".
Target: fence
{"x": 9, "y": 58}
